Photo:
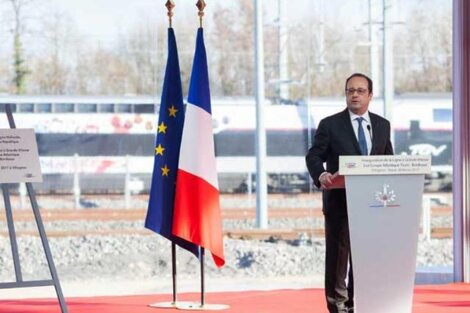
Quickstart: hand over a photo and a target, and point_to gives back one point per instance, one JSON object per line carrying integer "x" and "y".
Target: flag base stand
{"x": 175, "y": 303}
{"x": 163, "y": 305}
{"x": 202, "y": 307}
{"x": 168, "y": 305}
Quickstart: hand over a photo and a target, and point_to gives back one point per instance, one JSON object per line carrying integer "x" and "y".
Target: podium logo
{"x": 350, "y": 165}
{"x": 386, "y": 197}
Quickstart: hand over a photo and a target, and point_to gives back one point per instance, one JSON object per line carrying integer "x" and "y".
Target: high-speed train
{"x": 103, "y": 138}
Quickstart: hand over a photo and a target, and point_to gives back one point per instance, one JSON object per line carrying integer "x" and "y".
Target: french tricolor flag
{"x": 197, "y": 211}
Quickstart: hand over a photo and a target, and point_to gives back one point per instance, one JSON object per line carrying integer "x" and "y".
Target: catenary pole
{"x": 260, "y": 146}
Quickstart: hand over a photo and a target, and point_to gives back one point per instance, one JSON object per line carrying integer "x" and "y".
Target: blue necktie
{"x": 361, "y": 136}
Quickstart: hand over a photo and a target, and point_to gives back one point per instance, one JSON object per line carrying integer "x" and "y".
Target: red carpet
{"x": 453, "y": 298}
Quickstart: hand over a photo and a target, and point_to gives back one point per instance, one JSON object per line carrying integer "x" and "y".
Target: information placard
{"x": 384, "y": 164}
{"x": 19, "y": 158}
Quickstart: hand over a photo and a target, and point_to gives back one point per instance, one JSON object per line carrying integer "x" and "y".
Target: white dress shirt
{"x": 366, "y": 126}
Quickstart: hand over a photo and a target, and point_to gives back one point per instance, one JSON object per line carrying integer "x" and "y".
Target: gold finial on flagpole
{"x": 200, "y": 5}
{"x": 169, "y": 6}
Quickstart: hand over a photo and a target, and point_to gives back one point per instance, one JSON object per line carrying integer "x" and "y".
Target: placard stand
{"x": 20, "y": 282}
{"x": 384, "y": 197}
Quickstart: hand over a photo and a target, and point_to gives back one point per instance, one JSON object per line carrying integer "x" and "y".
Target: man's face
{"x": 358, "y": 95}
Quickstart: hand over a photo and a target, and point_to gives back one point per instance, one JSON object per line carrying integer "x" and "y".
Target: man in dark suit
{"x": 354, "y": 131}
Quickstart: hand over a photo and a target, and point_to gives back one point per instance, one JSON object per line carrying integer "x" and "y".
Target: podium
{"x": 384, "y": 195}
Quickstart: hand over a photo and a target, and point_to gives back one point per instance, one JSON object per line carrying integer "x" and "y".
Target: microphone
{"x": 370, "y": 131}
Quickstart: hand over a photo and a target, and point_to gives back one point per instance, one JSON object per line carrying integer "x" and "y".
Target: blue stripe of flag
{"x": 200, "y": 95}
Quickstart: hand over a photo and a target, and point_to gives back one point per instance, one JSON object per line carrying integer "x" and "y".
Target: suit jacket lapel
{"x": 375, "y": 132}
{"x": 349, "y": 131}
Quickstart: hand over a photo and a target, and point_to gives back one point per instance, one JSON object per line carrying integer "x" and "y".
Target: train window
{"x": 106, "y": 107}
{"x": 86, "y": 107}
{"x": 25, "y": 107}
{"x": 143, "y": 108}
{"x": 123, "y": 108}
{"x": 442, "y": 115}
{"x": 43, "y": 107}
{"x": 3, "y": 107}
{"x": 63, "y": 107}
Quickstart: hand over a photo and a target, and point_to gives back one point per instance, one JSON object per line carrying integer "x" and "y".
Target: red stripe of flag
{"x": 201, "y": 220}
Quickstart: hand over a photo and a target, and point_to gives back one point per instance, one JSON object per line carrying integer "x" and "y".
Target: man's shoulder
{"x": 336, "y": 116}
{"x": 377, "y": 117}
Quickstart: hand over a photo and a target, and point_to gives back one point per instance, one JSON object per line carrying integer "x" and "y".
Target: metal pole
{"x": 76, "y": 182}
{"x": 127, "y": 191}
{"x": 22, "y": 192}
{"x": 426, "y": 218}
{"x": 373, "y": 47}
{"x": 321, "y": 62}
{"x": 9, "y": 212}
{"x": 173, "y": 304}
{"x": 261, "y": 187}
{"x": 461, "y": 135}
{"x": 201, "y": 259}
{"x": 283, "y": 52}
{"x": 173, "y": 269}
{"x": 47, "y": 249}
{"x": 388, "y": 63}
{"x": 309, "y": 93}
{"x": 249, "y": 185}
{"x": 12, "y": 233}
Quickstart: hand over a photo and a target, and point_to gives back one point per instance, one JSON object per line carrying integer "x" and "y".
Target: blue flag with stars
{"x": 167, "y": 148}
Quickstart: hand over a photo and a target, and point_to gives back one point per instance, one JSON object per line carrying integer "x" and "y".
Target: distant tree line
{"x": 67, "y": 62}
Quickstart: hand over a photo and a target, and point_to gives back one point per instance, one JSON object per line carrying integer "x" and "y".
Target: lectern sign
{"x": 19, "y": 158}
{"x": 384, "y": 165}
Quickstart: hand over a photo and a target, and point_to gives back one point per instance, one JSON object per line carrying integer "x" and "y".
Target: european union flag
{"x": 167, "y": 148}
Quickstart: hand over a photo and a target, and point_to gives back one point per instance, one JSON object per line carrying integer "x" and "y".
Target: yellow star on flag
{"x": 172, "y": 111}
{"x": 165, "y": 170}
{"x": 162, "y": 128}
{"x": 159, "y": 150}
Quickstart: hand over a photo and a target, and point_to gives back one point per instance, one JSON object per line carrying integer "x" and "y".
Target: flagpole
{"x": 173, "y": 269}
{"x": 200, "y": 5}
{"x": 170, "y": 5}
{"x": 173, "y": 304}
{"x": 202, "y": 276}
{"x": 199, "y": 81}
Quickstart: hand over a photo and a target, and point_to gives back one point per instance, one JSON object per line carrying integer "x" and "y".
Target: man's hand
{"x": 326, "y": 180}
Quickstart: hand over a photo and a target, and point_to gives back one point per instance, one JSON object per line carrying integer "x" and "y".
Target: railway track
{"x": 51, "y": 215}
{"x": 139, "y": 214}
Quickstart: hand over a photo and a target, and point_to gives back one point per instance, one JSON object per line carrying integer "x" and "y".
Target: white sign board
{"x": 384, "y": 164}
{"x": 19, "y": 158}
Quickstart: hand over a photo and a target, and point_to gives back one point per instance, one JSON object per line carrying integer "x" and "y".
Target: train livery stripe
{"x": 197, "y": 149}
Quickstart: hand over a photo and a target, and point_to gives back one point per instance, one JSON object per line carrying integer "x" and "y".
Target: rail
{"x": 51, "y": 215}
